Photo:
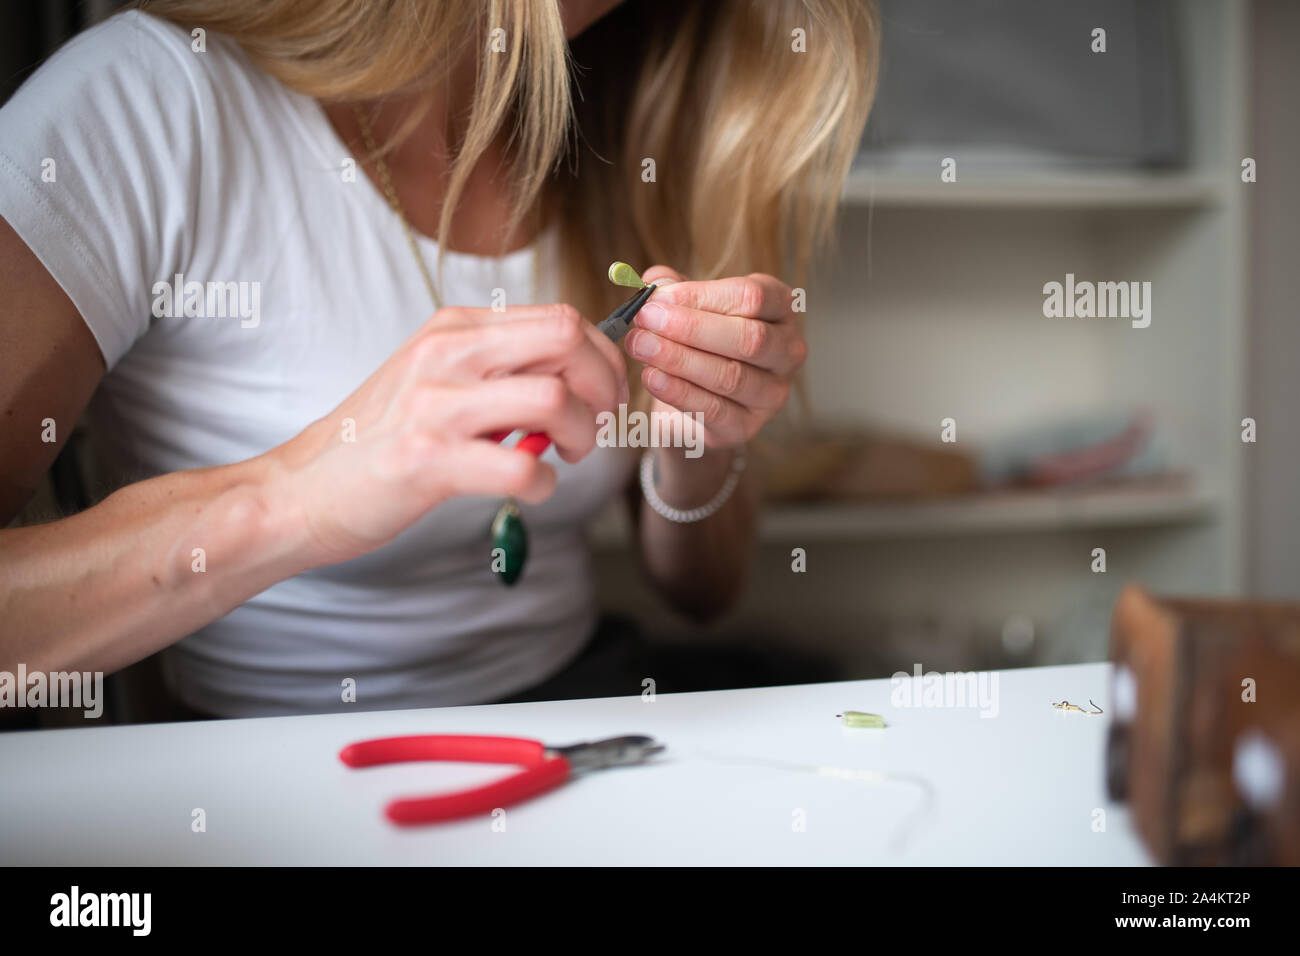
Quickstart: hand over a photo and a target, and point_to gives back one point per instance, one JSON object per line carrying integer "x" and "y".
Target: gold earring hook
{"x": 1066, "y": 705}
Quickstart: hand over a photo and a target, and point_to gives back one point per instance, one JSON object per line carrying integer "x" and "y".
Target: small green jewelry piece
{"x": 620, "y": 273}
{"x": 509, "y": 543}
{"x": 858, "y": 718}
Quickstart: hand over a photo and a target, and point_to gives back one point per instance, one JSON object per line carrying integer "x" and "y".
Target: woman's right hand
{"x": 160, "y": 558}
{"x": 414, "y": 433}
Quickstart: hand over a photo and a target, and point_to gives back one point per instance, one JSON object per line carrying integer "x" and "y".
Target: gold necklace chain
{"x": 390, "y": 191}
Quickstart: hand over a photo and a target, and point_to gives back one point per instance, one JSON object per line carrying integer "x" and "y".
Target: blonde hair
{"x": 750, "y": 138}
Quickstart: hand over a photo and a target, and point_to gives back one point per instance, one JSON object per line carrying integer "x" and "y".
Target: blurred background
{"x": 1072, "y": 435}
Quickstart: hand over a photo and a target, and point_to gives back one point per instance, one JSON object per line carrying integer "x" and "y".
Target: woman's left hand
{"x": 727, "y": 349}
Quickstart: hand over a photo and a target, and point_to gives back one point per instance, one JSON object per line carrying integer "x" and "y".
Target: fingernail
{"x": 652, "y": 316}
{"x": 655, "y": 380}
{"x": 644, "y": 345}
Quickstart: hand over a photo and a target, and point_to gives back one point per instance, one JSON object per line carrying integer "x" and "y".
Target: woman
{"x": 226, "y": 225}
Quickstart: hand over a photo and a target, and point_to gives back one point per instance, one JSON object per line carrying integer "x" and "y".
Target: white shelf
{"x": 930, "y": 309}
{"x": 1035, "y": 190}
{"x": 1000, "y": 513}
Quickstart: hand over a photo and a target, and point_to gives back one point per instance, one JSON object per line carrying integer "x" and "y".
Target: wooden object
{"x": 1205, "y": 739}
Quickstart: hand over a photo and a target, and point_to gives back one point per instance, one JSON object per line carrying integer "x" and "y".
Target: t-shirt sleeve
{"x": 99, "y": 169}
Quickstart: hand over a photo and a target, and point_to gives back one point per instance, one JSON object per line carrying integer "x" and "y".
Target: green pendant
{"x": 620, "y": 273}
{"x": 509, "y": 543}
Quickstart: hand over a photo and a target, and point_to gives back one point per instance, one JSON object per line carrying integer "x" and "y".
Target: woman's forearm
{"x": 699, "y": 566}
{"x": 145, "y": 567}
{"x": 160, "y": 559}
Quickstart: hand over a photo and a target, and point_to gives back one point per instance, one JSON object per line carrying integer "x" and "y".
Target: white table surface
{"x": 1020, "y": 788}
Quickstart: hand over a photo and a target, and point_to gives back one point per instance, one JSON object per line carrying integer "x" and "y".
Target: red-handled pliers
{"x": 544, "y": 767}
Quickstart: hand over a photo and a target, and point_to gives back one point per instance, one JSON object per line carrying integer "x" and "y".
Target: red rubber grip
{"x": 451, "y": 747}
{"x": 480, "y": 800}
{"x": 535, "y": 443}
{"x": 541, "y": 773}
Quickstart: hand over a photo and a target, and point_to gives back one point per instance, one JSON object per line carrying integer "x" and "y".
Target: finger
{"x": 548, "y": 312}
{"x": 473, "y": 316}
{"x": 484, "y": 468}
{"x": 778, "y": 346}
{"x": 614, "y": 355}
{"x": 552, "y": 340}
{"x": 477, "y": 342}
{"x": 588, "y": 373}
{"x": 661, "y": 275}
{"x": 757, "y": 296}
{"x": 540, "y": 403}
{"x": 742, "y": 383}
{"x": 722, "y": 417}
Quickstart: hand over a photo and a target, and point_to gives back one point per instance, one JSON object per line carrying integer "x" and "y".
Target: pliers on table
{"x": 544, "y": 767}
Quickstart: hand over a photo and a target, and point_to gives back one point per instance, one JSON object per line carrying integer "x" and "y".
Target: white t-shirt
{"x": 129, "y": 159}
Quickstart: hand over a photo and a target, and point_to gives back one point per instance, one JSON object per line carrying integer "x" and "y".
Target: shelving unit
{"x": 994, "y": 513}
{"x": 1123, "y": 190}
{"x": 933, "y": 309}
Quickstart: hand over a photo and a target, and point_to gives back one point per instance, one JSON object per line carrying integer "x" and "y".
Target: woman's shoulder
{"x": 138, "y": 96}
{"x": 116, "y": 149}
{"x": 134, "y": 38}
{"x": 129, "y": 32}
{"x": 135, "y": 61}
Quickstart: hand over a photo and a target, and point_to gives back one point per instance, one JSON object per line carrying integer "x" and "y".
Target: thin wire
{"x": 1066, "y": 705}
{"x": 902, "y": 833}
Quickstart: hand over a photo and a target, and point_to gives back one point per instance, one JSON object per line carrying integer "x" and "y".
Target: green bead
{"x": 509, "y": 544}
{"x": 858, "y": 718}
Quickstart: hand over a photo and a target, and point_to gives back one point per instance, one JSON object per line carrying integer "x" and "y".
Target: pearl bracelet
{"x": 706, "y": 510}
